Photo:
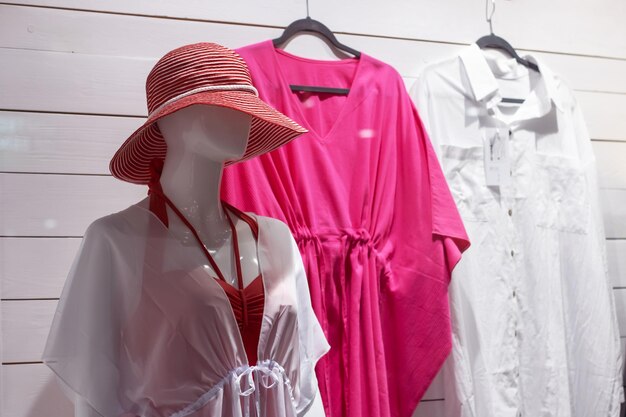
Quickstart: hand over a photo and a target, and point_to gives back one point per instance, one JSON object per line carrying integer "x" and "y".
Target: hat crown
{"x": 191, "y": 67}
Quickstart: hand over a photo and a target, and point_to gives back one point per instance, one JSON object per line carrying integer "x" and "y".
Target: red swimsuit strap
{"x": 245, "y": 217}
{"x": 236, "y": 250}
{"x": 158, "y": 201}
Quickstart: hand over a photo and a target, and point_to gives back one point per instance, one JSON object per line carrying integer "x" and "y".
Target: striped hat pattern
{"x": 202, "y": 73}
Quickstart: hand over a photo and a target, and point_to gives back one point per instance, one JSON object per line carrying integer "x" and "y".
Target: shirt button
{"x": 512, "y": 253}
{"x": 510, "y": 212}
{"x": 514, "y": 293}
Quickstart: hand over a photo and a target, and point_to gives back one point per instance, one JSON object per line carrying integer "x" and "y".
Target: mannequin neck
{"x": 199, "y": 140}
{"x": 192, "y": 182}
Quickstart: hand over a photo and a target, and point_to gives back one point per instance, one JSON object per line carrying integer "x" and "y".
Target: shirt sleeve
{"x": 424, "y": 212}
{"x": 81, "y": 345}
{"x": 313, "y": 343}
{"x": 421, "y": 95}
{"x": 616, "y": 360}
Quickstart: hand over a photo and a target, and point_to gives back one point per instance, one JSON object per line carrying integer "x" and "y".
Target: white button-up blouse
{"x": 534, "y": 323}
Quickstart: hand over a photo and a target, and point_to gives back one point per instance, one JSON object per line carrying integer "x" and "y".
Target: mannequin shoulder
{"x": 273, "y": 227}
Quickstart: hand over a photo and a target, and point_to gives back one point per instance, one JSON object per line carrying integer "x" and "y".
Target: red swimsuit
{"x": 247, "y": 303}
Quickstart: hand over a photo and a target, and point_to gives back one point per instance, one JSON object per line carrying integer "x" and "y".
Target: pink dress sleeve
{"x": 426, "y": 237}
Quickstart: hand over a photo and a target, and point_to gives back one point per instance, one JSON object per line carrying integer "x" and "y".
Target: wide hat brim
{"x": 269, "y": 130}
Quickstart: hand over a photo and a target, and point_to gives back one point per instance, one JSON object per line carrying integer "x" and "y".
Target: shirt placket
{"x": 512, "y": 201}
{"x": 512, "y": 270}
{"x": 516, "y": 147}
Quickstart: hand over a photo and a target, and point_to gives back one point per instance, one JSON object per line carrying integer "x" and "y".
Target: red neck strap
{"x": 159, "y": 201}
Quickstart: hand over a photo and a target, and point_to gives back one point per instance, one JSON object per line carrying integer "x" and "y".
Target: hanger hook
{"x": 307, "y": 9}
{"x": 488, "y": 15}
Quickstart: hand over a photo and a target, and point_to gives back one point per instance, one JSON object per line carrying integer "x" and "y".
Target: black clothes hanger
{"x": 310, "y": 25}
{"x": 496, "y": 42}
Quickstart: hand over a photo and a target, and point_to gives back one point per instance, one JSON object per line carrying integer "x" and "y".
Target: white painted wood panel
{"x": 82, "y": 144}
{"x": 585, "y": 73}
{"x": 60, "y": 205}
{"x": 31, "y": 390}
{"x": 25, "y": 327}
{"x": 429, "y": 409}
{"x": 58, "y": 30}
{"x": 605, "y": 114}
{"x": 63, "y": 31}
{"x": 65, "y": 82}
{"x": 100, "y": 84}
{"x": 610, "y": 163}
{"x": 524, "y": 24}
{"x": 61, "y": 143}
{"x": 616, "y": 256}
{"x": 272, "y": 12}
{"x": 35, "y": 267}
{"x": 435, "y": 391}
{"x": 620, "y": 306}
{"x": 614, "y": 212}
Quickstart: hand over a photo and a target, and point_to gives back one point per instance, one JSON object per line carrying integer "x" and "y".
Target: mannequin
{"x": 200, "y": 139}
{"x": 182, "y": 305}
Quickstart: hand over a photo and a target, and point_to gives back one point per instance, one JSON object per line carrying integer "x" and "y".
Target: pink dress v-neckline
{"x": 351, "y": 81}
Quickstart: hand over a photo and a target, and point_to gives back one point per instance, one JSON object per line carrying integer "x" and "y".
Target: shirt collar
{"x": 485, "y": 87}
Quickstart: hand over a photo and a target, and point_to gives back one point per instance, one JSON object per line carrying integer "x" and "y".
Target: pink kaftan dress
{"x": 373, "y": 218}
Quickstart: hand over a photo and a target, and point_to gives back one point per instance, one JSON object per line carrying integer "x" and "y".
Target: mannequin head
{"x": 216, "y": 133}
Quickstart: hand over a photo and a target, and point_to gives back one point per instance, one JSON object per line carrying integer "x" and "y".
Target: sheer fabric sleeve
{"x": 81, "y": 348}
{"x": 313, "y": 344}
{"x": 599, "y": 276}
{"x": 424, "y": 216}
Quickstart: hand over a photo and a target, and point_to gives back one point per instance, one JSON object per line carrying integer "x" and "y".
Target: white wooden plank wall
{"x": 71, "y": 89}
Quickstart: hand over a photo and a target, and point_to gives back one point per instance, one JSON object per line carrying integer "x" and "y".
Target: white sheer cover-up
{"x": 142, "y": 329}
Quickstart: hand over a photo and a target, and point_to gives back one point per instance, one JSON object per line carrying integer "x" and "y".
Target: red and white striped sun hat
{"x": 202, "y": 73}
